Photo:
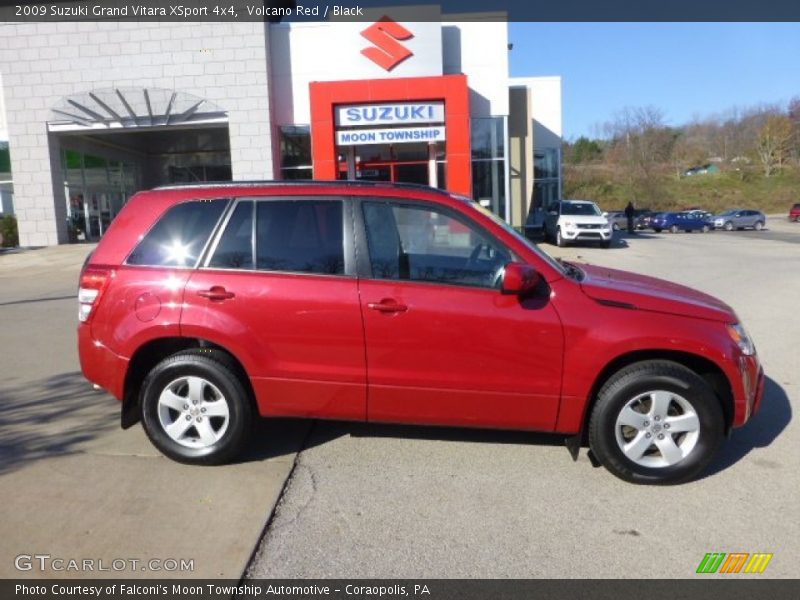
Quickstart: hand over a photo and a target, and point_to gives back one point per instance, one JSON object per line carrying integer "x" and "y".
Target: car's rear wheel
{"x": 728, "y": 226}
{"x": 656, "y": 422}
{"x": 615, "y": 226}
{"x": 195, "y": 408}
{"x": 673, "y": 229}
{"x": 758, "y": 226}
{"x": 657, "y": 229}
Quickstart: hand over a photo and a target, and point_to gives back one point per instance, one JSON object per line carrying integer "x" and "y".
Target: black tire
{"x": 638, "y": 379}
{"x": 560, "y": 240}
{"x": 657, "y": 229}
{"x": 218, "y": 371}
{"x": 605, "y": 244}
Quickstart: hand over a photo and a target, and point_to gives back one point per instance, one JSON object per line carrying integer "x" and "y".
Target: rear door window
{"x": 179, "y": 236}
{"x": 300, "y": 236}
{"x": 235, "y": 247}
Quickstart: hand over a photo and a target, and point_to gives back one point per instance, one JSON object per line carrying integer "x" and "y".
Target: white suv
{"x": 577, "y": 220}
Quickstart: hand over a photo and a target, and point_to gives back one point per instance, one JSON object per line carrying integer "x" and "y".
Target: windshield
{"x": 541, "y": 253}
{"x": 586, "y": 209}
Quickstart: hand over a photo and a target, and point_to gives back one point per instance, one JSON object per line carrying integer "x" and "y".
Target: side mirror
{"x": 519, "y": 278}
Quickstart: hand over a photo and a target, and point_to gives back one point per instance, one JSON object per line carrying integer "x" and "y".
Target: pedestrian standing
{"x": 629, "y": 212}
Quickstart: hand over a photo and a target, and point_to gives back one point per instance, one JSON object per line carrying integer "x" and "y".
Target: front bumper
{"x": 747, "y": 399}
{"x": 596, "y": 235}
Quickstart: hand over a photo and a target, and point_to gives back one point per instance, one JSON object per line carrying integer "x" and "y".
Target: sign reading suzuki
{"x": 406, "y": 113}
{"x": 394, "y": 135}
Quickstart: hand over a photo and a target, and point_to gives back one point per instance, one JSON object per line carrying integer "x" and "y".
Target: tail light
{"x": 93, "y": 282}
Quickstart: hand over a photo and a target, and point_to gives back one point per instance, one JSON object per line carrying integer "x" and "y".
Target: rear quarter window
{"x": 179, "y": 236}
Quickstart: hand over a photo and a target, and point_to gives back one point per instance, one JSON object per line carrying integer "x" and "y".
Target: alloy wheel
{"x": 657, "y": 429}
{"x": 193, "y": 412}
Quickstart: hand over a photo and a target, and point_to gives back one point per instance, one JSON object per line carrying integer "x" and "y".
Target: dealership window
{"x": 96, "y": 189}
{"x": 547, "y": 170}
{"x": 488, "y": 163}
{"x": 6, "y": 184}
{"x": 295, "y": 147}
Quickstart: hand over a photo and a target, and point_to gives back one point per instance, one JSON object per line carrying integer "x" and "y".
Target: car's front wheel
{"x": 758, "y": 226}
{"x": 195, "y": 408}
{"x": 656, "y": 422}
{"x": 728, "y": 226}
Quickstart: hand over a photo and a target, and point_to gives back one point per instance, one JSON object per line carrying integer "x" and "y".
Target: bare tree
{"x": 794, "y": 116}
{"x": 774, "y": 142}
{"x": 644, "y": 137}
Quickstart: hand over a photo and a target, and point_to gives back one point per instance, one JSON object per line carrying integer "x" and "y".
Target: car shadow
{"x": 763, "y": 429}
{"x": 54, "y": 416}
{"x": 274, "y": 437}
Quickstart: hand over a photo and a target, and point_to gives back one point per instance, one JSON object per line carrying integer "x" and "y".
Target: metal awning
{"x": 128, "y": 108}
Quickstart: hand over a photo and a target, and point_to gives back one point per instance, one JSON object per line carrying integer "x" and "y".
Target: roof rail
{"x": 304, "y": 183}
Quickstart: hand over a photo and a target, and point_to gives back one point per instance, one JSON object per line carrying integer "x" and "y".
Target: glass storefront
{"x": 547, "y": 171}
{"x": 410, "y": 162}
{"x": 295, "y": 143}
{"x": 96, "y": 189}
{"x": 6, "y": 184}
{"x": 488, "y": 163}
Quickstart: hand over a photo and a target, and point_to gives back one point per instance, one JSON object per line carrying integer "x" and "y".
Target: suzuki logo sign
{"x": 387, "y": 52}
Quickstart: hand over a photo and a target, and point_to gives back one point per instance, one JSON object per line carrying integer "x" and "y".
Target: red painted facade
{"x": 450, "y": 89}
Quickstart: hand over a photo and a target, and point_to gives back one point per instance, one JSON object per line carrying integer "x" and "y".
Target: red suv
{"x": 794, "y": 212}
{"x": 203, "y": 306}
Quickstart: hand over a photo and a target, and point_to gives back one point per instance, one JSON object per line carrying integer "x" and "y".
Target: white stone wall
{"x": 43, "y": 62}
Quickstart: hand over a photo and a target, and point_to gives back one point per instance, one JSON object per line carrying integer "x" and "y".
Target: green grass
{"x": 748, "y": 188}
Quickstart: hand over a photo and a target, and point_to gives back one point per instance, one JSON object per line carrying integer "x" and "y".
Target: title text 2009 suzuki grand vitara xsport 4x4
{"x": 203, "y": 306}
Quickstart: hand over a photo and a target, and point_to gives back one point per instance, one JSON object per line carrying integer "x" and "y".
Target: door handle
{"x": 387, "y": 305}
{"x": 216, "y": 293}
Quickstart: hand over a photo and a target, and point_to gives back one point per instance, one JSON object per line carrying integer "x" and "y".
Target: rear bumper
{"x": 100, "y": 365}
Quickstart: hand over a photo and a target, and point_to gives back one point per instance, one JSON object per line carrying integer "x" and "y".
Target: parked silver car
{"x": 618, "y": 220}
{"x": 739, "y": 219}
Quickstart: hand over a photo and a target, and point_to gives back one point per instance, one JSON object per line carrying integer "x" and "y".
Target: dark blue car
{"x": 680, "y": 221}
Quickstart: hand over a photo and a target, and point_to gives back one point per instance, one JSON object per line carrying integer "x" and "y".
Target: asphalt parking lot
{"x": 384, "y": 501}
{"x": 390, "y": 501}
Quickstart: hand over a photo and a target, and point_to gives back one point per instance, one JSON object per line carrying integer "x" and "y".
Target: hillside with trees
{"x": 744, "y": 158}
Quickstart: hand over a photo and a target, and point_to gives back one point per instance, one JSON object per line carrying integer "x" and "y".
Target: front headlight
{"x": 739, "y": 335}
{"x": 569, "y": 225}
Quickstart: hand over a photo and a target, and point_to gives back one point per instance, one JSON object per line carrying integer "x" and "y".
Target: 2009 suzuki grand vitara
{"x": 204, "y": 306}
